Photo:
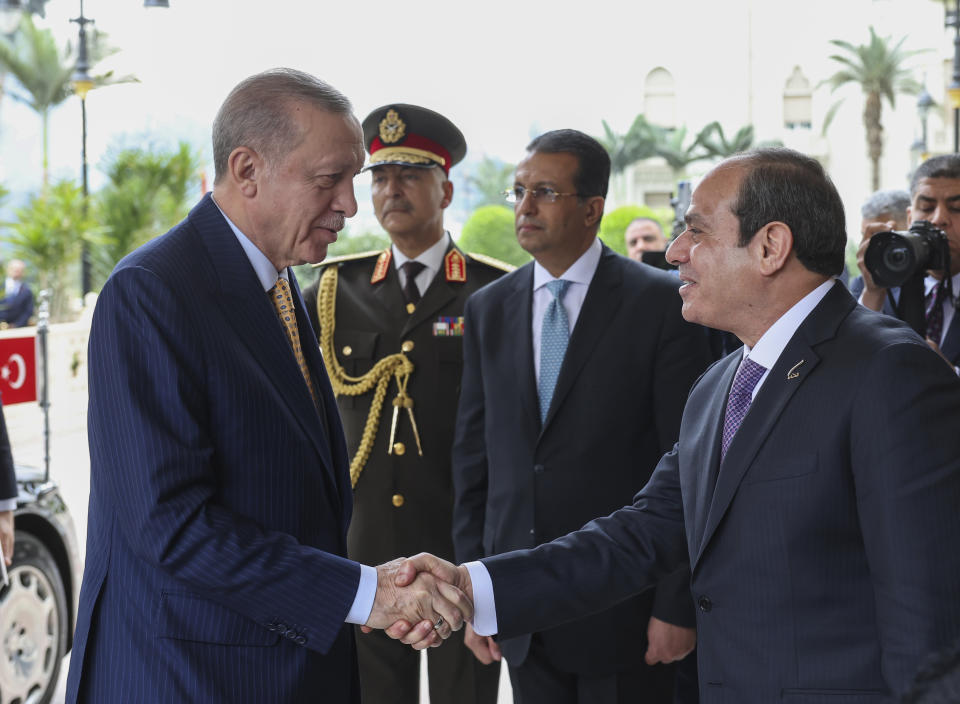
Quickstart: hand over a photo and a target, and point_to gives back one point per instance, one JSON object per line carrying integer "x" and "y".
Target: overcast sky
{"x": 500, "y": 70}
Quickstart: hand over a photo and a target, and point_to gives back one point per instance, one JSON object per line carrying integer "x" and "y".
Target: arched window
{"x": 797, "y": 101}
{"x": 660, "y": 98}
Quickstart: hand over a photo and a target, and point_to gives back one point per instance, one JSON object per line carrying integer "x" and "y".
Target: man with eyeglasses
{"x": 576, "y": 369}
{"x": 395, "y": 317}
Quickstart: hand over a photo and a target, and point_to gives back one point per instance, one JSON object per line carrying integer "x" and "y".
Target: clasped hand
{"x": 421, "y": 600}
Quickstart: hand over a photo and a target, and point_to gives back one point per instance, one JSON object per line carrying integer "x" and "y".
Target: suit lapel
{"x": 793, "y": 367}
{"x": 951, "y": 341}
{"x": 599, "y": 307}
{"x": 438, "y": 294}
{"x": 248, "y": 310}
{"x": 705, "y": 455}
{"x": 517, "y": 315}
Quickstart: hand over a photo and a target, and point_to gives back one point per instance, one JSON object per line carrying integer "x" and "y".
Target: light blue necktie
{"x": 554, "y": 335}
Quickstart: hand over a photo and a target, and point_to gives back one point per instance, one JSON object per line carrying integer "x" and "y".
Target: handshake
{"x": 421, "y": 600}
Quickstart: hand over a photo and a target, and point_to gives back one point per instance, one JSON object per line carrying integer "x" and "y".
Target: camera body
{"x": 680, "y": 203}
{"x": 894, "y": 257}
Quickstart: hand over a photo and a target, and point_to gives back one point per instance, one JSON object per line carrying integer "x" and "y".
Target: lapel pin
{"x": 793, "y": 373}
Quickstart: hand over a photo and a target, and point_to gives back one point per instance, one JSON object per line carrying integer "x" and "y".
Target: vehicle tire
{"x": 33, "y": 624}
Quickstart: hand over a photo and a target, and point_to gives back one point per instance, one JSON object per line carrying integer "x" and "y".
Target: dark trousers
{"x": 537, "y": 681}
{"x": 390, "y": 672}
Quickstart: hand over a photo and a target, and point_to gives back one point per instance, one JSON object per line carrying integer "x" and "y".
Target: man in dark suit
{"x": 219, "y": 495}
{"x": 815, "y": 484}
{"x": 935, "y": 197}
{"x": 16, "y": 306}
{"x": 530, "y": 466}
{"x": 373, "y": 310}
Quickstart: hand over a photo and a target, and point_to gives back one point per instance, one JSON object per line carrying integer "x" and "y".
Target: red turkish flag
{"x": 18, "y": 370}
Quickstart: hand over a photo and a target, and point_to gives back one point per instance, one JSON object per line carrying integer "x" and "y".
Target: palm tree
{"x": 44, "y": 72}
{"x": 878, "y": 68}
{"x": 147, "y": 192}
{"x": 716, "y": 144}
{"x": 47, "y": 233}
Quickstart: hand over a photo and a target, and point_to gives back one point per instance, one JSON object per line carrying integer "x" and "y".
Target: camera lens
{"x": 897, "y": 258}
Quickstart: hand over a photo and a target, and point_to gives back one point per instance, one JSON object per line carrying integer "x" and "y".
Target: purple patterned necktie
{"x": 934, "y": 313}
{"x": 741, "y": 394}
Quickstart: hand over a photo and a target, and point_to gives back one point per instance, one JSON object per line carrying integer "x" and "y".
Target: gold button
{"x": 347, "y": 350}
{"x": 398, "y": 500}
{"x": 411, "y": 307}
{"x": 399, "y": 448}
{"x": 407, "y": 346}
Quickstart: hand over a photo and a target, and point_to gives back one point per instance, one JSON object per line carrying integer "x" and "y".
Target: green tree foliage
{"x": 488, "y": 180}
{"x": 490, "y": 231}
{"x": 878, "y": 68}
{"x": 147, "y": 192}
{"x": 716, "y": 144}
{"x": 644, "y": 140}
{"x": 614, "y": 224}
{"x": 47, "y": 233}
{"x": 43, "y": 71}
{"x": 627, "y": 149}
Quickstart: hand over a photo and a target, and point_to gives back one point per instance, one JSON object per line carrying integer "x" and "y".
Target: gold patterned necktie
{"x": 283, "y": 302}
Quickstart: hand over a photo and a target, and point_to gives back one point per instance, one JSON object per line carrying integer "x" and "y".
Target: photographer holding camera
{"x": 935, "y": 197}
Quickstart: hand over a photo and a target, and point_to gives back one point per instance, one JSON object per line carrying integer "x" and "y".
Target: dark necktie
{"x": 934, "y": 311}
{"x": 554, "y": 336}
{"x": 410, "y": 270}
{"x": 738, "y": 402}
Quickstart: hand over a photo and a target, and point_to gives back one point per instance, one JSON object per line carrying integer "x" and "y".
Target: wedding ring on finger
{"x": 438, "y": 624}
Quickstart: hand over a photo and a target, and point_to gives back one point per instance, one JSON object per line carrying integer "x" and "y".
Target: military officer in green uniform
{"x": 390, "y": 326}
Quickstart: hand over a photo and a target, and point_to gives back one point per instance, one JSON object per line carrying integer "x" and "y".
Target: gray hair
{"x": 256, "y": 114}
{"x": 890, "y": 204}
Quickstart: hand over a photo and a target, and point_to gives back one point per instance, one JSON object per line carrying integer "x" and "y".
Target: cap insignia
{"x": 392, "y": 128}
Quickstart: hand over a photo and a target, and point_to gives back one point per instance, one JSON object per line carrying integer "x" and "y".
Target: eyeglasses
{"x": 546, "y": 195}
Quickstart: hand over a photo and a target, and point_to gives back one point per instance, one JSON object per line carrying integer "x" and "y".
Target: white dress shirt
{"x": 431, "y": 258}
{"x": 267, "y": 274}
{"x": 766, "y": 352}
{"x": 580, "y": 274}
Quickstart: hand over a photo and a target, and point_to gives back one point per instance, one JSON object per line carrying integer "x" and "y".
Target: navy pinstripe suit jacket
{"x": 218, "y": 503}
{"x": 824, "y": 563}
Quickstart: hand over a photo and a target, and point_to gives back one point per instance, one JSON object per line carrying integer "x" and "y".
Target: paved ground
{"x": 69, "y": 457}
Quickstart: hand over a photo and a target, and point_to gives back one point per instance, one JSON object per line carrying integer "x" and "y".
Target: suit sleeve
{"x": 469, "y": 449}
{"x": 152, "y": 447}
{"x": 905, "y": 454}
{"x": 682, "y": 355}
{"x": 608, "y": 560}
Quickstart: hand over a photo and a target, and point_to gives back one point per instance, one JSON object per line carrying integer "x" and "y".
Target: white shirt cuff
{"x": 8, "y": 504}
{"x": 484, "y": 606}
{"x": 366, "y": 593}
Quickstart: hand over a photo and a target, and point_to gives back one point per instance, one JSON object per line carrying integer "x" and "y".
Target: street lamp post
{"x": 82, "y": 83}
{"x": 953, "y": 91}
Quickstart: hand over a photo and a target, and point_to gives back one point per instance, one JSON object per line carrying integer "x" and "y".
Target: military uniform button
{"x": 399, "y": 448}
{"x": 398, "y": 500}
{"x": 705, "y": 604}
{"x": 300, "y": 640}
{"x": 347, "y": 350}
{"x": 411, "y": 307}
{"x": 407, "y": 346}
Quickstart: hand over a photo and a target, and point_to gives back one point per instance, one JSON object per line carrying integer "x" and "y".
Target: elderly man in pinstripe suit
{"x": 219, "y": 497}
